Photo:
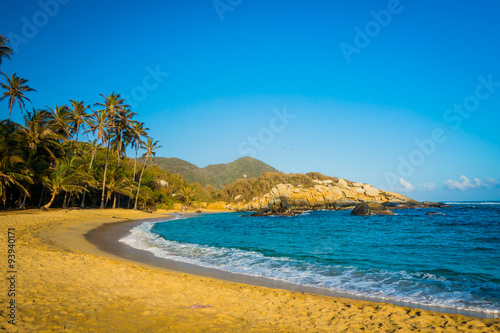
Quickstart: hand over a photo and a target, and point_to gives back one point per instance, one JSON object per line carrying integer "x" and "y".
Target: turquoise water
{"x": 449, "y": 261}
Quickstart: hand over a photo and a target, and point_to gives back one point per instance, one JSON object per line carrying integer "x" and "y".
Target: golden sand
{"x": 63, "y": 283}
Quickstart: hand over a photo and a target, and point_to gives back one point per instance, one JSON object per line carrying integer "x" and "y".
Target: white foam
{"x": 472, "y": 203}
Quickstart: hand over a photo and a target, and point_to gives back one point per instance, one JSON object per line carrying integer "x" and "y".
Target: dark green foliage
{"x": 217, "y": 175}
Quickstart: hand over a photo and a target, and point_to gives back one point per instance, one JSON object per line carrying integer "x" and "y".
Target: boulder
{"x": 350, "y": 193}
{"x": 378, "y": 209}
{"x": 300, "y": 203}
{"x": 371, "y": 208}
{"x": 344, "y": 203}
{"x": 342, "y": 183}
{"x": 371, "y": 191}
{"x": 400, "y": 206}
{"x": 359, "y": 190}
{"x": 335, "y": 192}
{"x": 434, "y": 204}
{"x": 361, "y": 210}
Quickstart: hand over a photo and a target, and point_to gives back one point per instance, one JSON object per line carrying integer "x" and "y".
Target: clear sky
{"x": 404, "y": 95}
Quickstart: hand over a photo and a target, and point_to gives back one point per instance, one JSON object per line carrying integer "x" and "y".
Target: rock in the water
{"x": 403, "y": 206}
{"x": 435, "y": 213}
{"x": 344, "y": 203}
{"x": 361, "y": 209}
{"x": 371, "y": 208}
{"x": 379, "y": 209}
{"x": 434, "y": 204}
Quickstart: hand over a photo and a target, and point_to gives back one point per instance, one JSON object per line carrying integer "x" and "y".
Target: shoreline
{"x": 106, "y": 238}
{"x": 66, "y": 283}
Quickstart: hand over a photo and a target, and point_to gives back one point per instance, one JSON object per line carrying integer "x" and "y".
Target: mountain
{"x": 217, "y": 175}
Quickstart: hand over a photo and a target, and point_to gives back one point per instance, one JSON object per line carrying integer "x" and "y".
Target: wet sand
{"x": 65, "y": 283}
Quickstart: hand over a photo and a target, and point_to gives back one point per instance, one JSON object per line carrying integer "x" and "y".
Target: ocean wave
{"x": 420, "y": 288}
{"x": 473, "y": 203}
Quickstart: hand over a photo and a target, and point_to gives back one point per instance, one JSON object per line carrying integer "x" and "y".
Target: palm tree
{"x": 123, "y": 124}
{"x": 13, "y": 169}
{"x": 59, "y": 120}
{"x": 15, "y": 91}
{"x": 118, "y": 183}
{"x": 150, "y": 147}
{"x": 37, "y": 133}
{"x": 100, "y": 125}
{"x": 66, "y": 176}
{"x": 111, "y": 106}
{"x": 5, "y": 51}
{"x": 188, "y": 193}
{"x": 137, "y": 131}
{"x": 13, "y": 172}
{"x": 91, "y": 121}
{"x": 78, "y": 116}
{"x": 41, "y": 143}
{"x": 121, "y": 135}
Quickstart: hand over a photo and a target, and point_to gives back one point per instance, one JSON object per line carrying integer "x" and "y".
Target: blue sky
{"x": 404, "y": 95}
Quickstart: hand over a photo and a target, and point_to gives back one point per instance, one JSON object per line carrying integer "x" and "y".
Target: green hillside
{"x": 217, "y": 175}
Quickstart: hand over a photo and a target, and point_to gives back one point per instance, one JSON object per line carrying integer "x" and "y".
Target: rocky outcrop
{"x": 328, "y": 194}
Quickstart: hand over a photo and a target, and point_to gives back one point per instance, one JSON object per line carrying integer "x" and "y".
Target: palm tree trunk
{"x": 104, "y": 178}
{"x": 118, "y": 163}
{"x": 41, "y": 198}
{"x": 64, "y": 201}
{"x": 51, "y": 200}
{"x": 119, "y": 150}
{"x": 24, "y": 202}
{"x": 10, "y": 111}
{"x": 82, "y": 205}
{"x": 139, "y": 187}
{"x": 135, "y": 166}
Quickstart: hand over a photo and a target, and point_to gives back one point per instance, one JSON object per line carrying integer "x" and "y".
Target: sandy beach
{"x": 64, "y": 283}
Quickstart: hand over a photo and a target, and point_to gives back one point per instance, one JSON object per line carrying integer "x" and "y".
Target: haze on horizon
{"x": 404, "y": 95}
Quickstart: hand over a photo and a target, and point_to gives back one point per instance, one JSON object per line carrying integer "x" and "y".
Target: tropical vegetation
{"x": 44, "y": 163}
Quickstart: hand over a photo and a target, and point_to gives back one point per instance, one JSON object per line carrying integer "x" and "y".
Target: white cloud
{"x": 429, "y": 186}
{"x": 491, "y": 181}
{"x": 405, "y": 186}
{"x": 465, "y": 183}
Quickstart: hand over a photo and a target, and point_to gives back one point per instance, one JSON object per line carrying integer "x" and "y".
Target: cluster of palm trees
{"x": 45, "y": 157}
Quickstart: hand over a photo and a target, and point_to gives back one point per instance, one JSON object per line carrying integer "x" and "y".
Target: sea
{"x": 449, "y": 260}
